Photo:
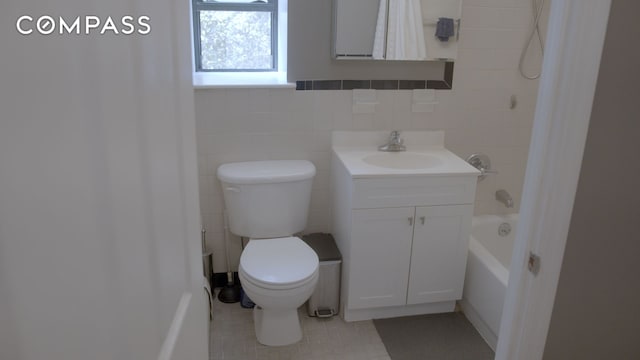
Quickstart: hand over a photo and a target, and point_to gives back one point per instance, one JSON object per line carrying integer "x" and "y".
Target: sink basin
{"x": 402, "y": 160}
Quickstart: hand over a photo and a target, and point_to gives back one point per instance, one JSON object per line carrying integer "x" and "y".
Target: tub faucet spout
{"x": 504, "y": 197}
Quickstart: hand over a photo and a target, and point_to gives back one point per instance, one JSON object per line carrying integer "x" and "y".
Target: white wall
{"x": 257, "y": 124}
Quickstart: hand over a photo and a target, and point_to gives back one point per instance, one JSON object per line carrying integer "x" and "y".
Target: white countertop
{"x": 417, "y": 142}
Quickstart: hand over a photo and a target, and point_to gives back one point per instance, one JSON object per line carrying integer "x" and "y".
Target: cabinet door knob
{"x": 411, "y": 221}
{"x": 422, "y": 218}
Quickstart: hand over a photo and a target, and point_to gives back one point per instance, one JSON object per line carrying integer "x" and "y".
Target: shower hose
{"x": 536, "y": 6}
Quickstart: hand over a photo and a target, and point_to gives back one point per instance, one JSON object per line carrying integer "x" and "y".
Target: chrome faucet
{"x": 394, "y": 143}
{"x": 483, "y": 163}
{"x": 504, "y": 197}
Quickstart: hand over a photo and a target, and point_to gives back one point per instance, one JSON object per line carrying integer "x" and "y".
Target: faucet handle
{"x": 482, "y": 163}
{"x": 485, "y": 172}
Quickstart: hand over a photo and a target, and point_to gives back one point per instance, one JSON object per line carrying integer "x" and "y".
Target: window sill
{"x": 203, "y": 80}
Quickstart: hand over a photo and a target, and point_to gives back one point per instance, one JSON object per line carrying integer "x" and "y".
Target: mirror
{"x": 310, "y": 43}
{"x": 413, "y": 30}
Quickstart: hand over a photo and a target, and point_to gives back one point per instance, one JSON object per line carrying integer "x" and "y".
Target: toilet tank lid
{"x": 265, "y": 172}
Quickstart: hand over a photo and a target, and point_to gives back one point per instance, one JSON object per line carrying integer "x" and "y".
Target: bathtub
{"x": 487, "y": 273}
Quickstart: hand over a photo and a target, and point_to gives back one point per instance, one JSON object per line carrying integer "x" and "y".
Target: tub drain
{"x": 504, "y": 229}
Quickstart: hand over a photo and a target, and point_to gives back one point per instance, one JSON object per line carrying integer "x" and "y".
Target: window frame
{"x": 199, "y": 5}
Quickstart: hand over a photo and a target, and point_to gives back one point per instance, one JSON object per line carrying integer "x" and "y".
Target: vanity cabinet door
{"x": 440, "y": 242}
{"x": 381, "y": 249}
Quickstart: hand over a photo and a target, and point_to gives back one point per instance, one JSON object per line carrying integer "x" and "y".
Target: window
{"x": 235, "y": 35}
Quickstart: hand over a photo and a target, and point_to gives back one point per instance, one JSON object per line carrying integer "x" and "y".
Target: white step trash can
{"x": 325, "y": 300}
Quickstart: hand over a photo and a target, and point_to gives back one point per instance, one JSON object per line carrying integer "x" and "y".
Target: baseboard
{"x": 397, "y": 311}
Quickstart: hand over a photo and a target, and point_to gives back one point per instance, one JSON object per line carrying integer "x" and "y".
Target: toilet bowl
{"x": 279, "y": 275}
{"x": 267, "y": 202}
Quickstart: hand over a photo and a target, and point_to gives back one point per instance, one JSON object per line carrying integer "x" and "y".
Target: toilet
{"x": 268, "y": 202}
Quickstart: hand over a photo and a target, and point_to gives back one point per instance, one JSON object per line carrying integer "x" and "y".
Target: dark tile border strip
{"x": 412, "y": 84}
{"x": 327, "y": 84}
{"x": 356, "y": 84}
{"x": 445, "y": 84}
{"x": 385, "y": 84}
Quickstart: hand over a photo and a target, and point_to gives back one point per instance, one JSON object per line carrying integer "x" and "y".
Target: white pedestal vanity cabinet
{"x": 402, "y": 225}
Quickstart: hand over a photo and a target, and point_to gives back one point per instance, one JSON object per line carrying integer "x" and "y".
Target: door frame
{"x": 565, "y": 96}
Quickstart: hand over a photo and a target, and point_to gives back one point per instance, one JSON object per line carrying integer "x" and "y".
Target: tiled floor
{"x": 232, "y": 338}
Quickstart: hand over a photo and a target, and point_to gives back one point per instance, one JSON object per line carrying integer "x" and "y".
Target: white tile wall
{"x": 261, "y": 124}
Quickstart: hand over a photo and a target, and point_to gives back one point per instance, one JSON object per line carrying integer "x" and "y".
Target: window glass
{"x": 235, "y": 35}
{"x": 239, "y": 1}
{"x": 235, "y": 40}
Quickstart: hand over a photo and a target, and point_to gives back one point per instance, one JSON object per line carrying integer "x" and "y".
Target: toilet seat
{"x": 278, "y": 264}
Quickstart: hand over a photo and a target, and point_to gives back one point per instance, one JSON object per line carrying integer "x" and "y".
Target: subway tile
{"x": 321, "y": 140}
{"x": 282, "y": 142}
{"x": 322, "y": 110}
{"x": 290, "y": 155}
{"x": 402, "y": 109}
{"x": 497, "y": 3}
{"x": 488, "y": 59}
{"x": 282, "y": 100}
{"x": 479, "y": 99}
{"x": 294, "y": 121}
{"x": 259, "y": 122}
{"x": 203, "y": 143}
{"x": 322, "y": 179}
{"x": 343, "y": 120}
{"x": 496, "y": 17}
{"x": 490, "y": 38}
{"x": 419, "y": 121}
{"x": 259, "y": 100}
{"x": 303, "y": 102}
{"x": 382, "y": 120}
{"x": 342, "y": 110}
{"x": 383, "y": 116}
{"x": 205, "y": 184}
{"x": 237, "y": 99}
{"x": 319, "y": 199}
{"x": 321, "y": 159}
{"x": 362, "y": 121}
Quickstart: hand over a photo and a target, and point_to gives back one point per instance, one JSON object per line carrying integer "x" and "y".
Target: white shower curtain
{"x": 399, "y": 31}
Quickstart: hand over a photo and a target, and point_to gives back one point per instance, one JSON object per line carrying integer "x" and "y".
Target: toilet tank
{"x": 266, "y": 199}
